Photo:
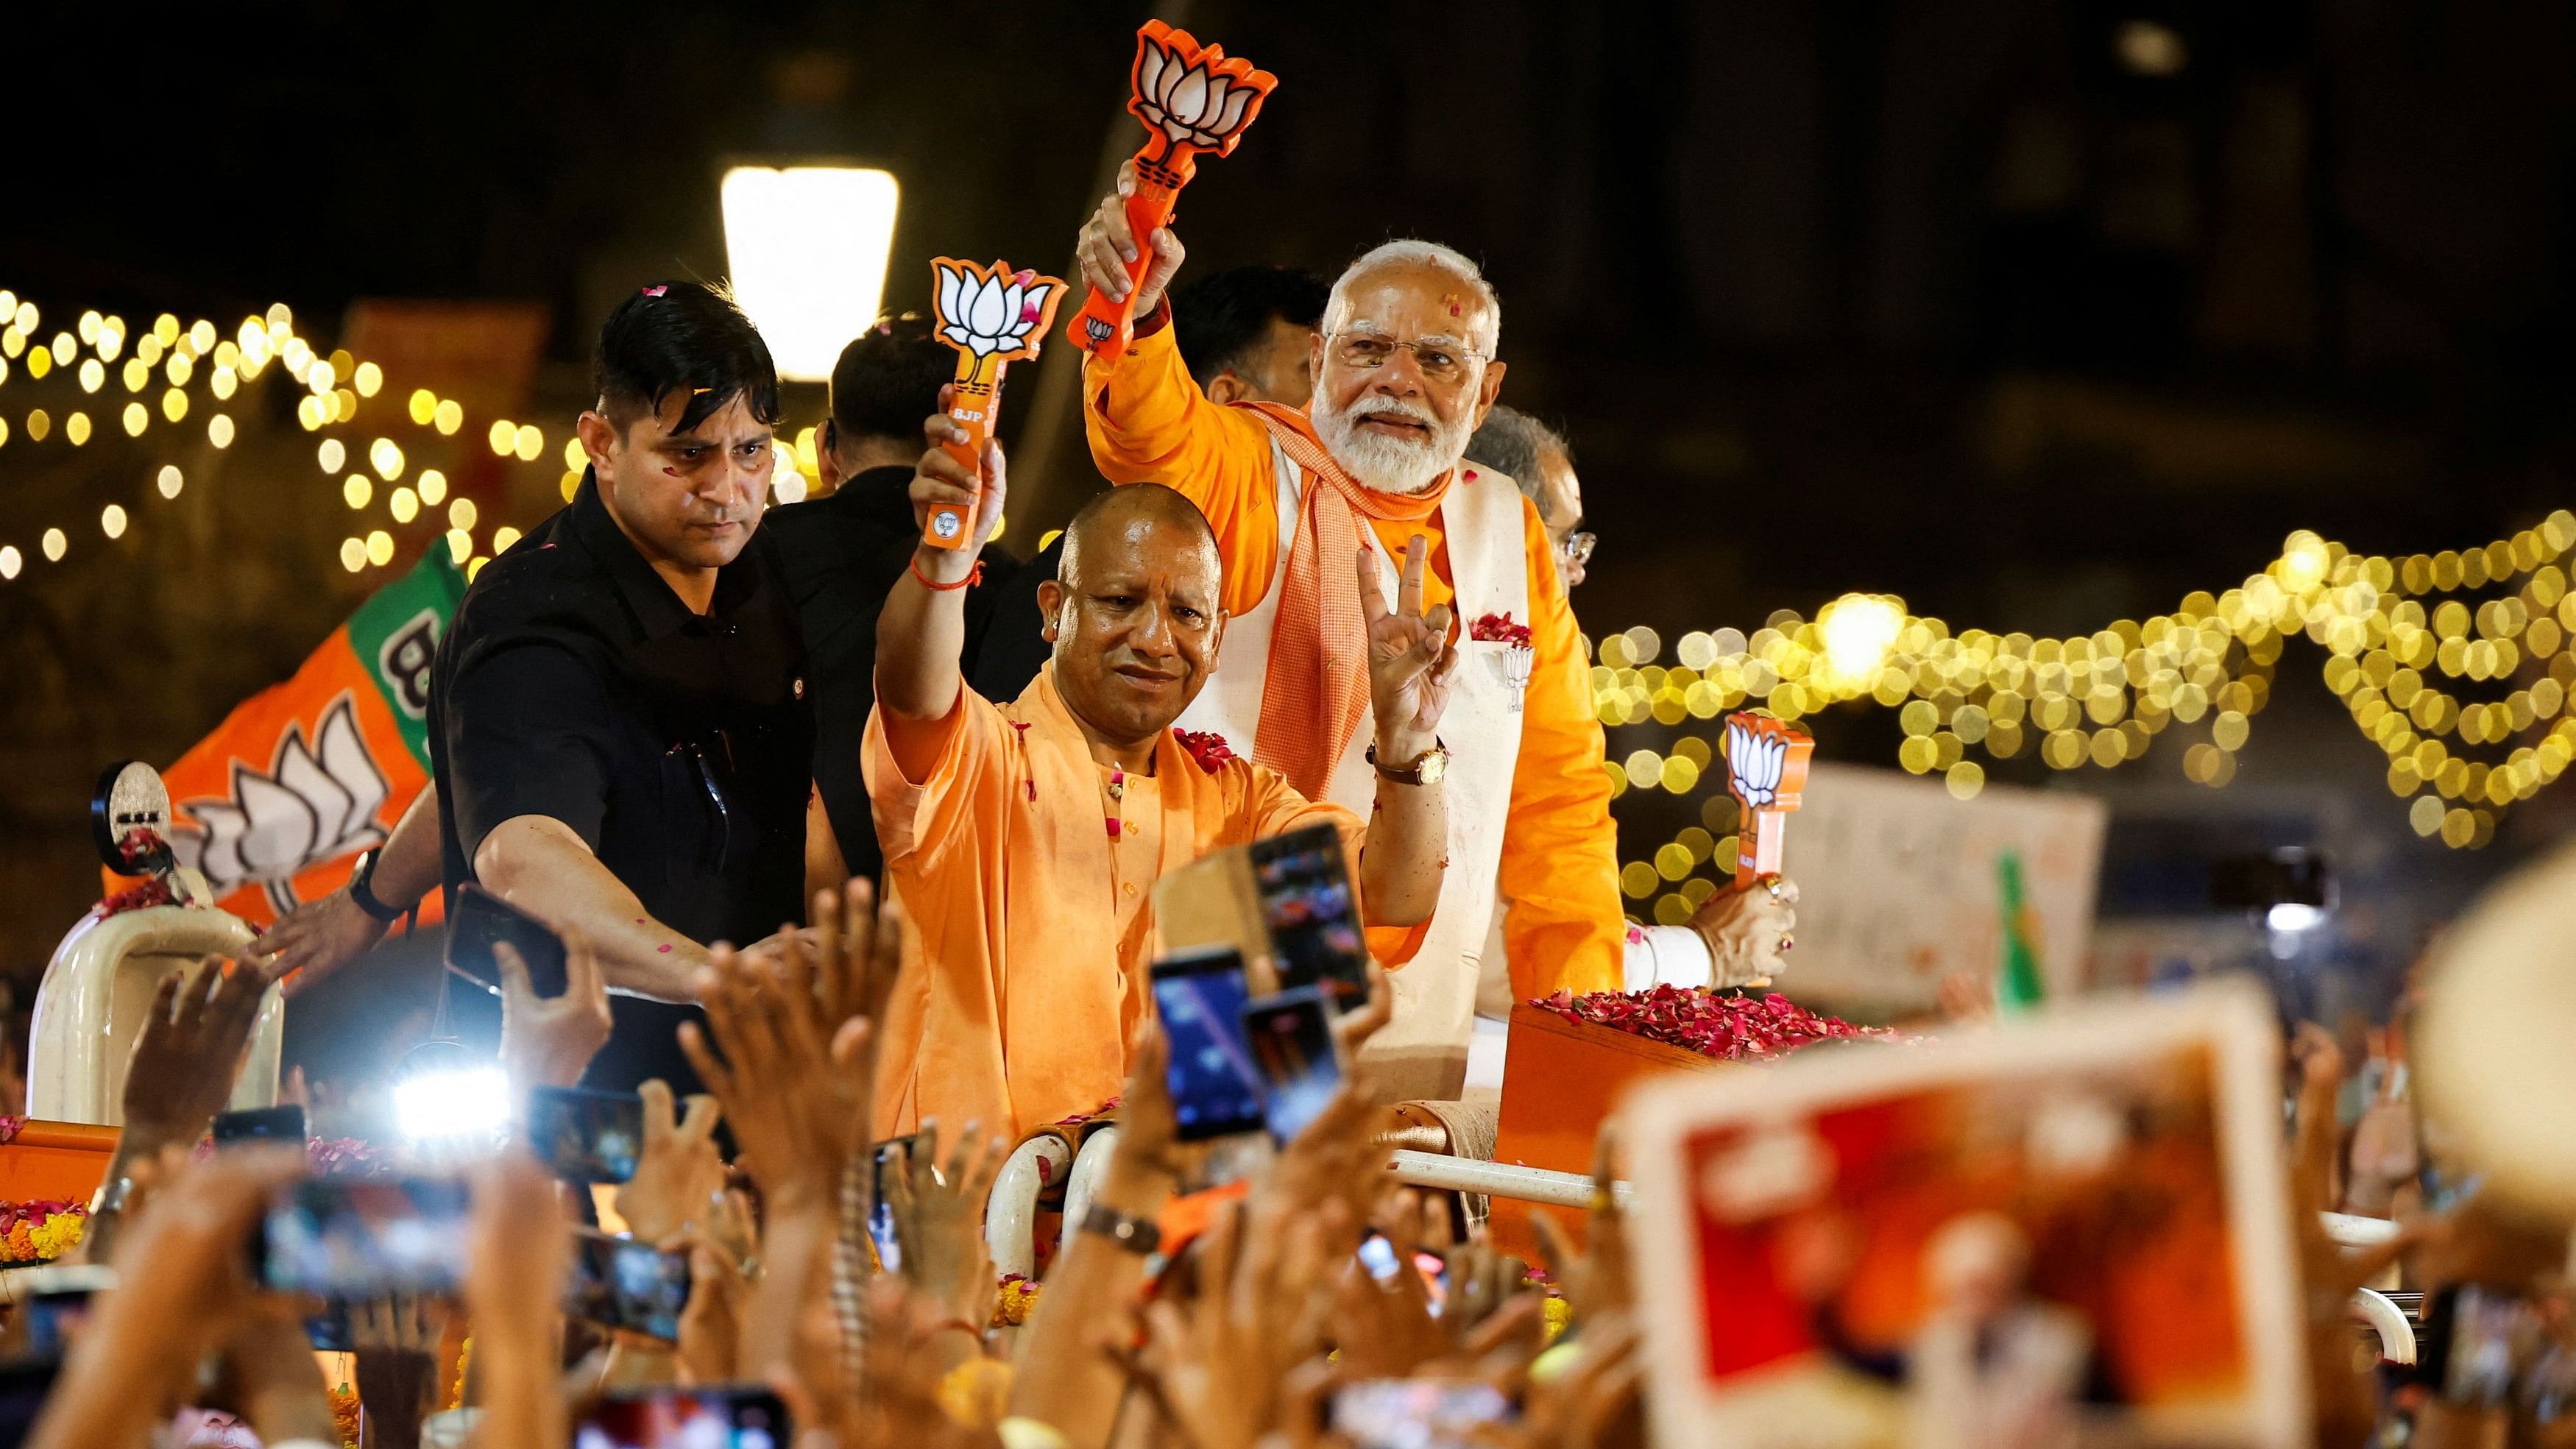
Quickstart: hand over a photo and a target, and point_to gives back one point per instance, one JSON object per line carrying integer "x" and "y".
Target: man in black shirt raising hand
{"x": 619, "y": 721}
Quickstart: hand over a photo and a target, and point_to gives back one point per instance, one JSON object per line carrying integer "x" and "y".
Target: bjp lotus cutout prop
{"x": 1766, "y": 771}
{"x": 1192, "y": 98}
{"x": 993, "y": 316}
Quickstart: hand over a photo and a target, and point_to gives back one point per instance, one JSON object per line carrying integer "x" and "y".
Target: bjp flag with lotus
{"x": 275, "y": 806}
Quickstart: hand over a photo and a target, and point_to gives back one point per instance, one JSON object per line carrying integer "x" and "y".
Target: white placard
{"x": 1899, "y": 884}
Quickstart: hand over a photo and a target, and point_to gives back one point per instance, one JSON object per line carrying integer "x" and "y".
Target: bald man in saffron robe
{"x": 1025, "y": 838}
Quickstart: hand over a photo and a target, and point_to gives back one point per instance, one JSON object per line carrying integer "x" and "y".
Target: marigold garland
{"x": 41, "y": 1230}
{"x": 1017, "y": 1300}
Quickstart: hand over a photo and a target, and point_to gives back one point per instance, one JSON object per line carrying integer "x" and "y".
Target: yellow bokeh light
{"x": 503, "y": 436}
{"x": 387, "y": 457}
{"x": 357, "y": 489}
{"x": 423, "y": 406}
{"x": 448, "y": 417}
{"x": 331, "y": 455}
{"x": 9, "y": 562}
{"x": 380, "y": 548}
{"x": 530, "y": 444}
{"x": 353, "y": 554}
{"x": 174, "y": 404}
{"x": 92, "y": 374}
{"x": 137, "y": 417}
{"x": 219, "y": 431}
{"x": 76, "y": 428}
{"x": 461, "y": 514}
{"x": 111, "y": 521}
{"x": 55, "y": 542}
{"x": 1858, "y": 630}
{"x": 573, "y": 455}
{"x": 170, "y": 481}
{"x": 502, "y": 538}
{"x": 433, "y": 487}
{"x": 368, "y": 379}
{"x": 404, "y": 505}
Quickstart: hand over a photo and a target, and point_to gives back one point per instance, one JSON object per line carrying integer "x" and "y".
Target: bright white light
{"x": 807, "y": 249}
{"x": 1858, "y": 631}
{"x": 2293, "y": 916}
{"x": 466, "y": 1101}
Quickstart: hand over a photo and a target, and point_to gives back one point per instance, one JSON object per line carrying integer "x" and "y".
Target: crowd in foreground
{"x": 1251, "y": 1320}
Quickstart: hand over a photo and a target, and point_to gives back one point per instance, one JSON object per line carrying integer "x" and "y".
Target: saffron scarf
{"x": 1316, "y": 693}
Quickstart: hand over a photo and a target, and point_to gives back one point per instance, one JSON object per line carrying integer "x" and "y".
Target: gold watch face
{"x": 1432, "y": 766}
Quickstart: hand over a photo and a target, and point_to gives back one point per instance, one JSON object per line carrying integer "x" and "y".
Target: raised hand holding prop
{"x": 1748, "y": 929}
{"x": 993, "y": 316}
{"x": 1192, "y": 98}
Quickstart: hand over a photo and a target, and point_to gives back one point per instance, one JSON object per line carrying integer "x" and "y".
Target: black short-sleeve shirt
{"x": 575, "y": 684}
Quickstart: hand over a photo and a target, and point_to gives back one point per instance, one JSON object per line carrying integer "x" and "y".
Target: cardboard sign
{"x": 2072, "y": 1229}
{"x": 1899, "y": 887}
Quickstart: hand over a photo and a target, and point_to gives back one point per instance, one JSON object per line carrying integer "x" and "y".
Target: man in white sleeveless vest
{"x": 1404, "y": 371}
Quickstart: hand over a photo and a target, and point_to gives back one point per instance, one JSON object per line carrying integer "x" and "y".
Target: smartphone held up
{"x": 1238, "y": 1062}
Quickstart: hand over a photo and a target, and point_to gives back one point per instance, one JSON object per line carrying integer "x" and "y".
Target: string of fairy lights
{"x": 171, "y": 371}
{"x": 2395, "y": 648}
{"x": 2396, "y": 642}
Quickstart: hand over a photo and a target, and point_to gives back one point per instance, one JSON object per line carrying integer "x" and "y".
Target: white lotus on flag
{"x": 317, "y": 802}
{"x": 1755, "y": 761}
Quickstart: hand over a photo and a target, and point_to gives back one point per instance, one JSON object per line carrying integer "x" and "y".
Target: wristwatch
{"x": 1426, "y": 769}
{"x": 1139, "y": 1236}
{"x": 362, "y": 893}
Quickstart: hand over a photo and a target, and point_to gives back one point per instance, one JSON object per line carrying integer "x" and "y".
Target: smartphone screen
{"x": 881, "y": 1229}
{"x": 351, "y": 1238}
{"x": 1416, "y": 1413}
{"x": 328, "y": 1330}
{"x": 260, "y": 1124}
{"x": 621, "y": 1283}
{"x": 701, "y": 1418}
{"x": 480, "y": 921}
{"x": 1291, "y": 1034}
{"x": 2488, "y": 1337}
{"x": 1377, "y": 1255}
{"x": 1215, "y": 1084}
{"x": 586, "y": 1136}
{"x": 1311, "y": 911}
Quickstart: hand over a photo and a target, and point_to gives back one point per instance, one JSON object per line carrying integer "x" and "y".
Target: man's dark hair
{"x": 1217, "y": 320}
{"x": 682, "y": 337}
{"x": 888, "y": 380}
{"x": 1510, "y": 443}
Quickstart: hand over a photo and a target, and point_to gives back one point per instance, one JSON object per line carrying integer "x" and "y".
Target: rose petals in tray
{"x": 1727, "y": 1027}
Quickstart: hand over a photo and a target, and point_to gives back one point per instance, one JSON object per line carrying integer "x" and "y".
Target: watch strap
{"x": 362, "y": 889}
{"x": 1410, "y": 772}
{"x": 1141, "y": 1236}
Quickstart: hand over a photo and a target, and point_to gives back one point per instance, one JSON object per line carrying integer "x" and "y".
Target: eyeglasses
{"x": 1441, "y": 359}
{"x": 1576, "y": 548}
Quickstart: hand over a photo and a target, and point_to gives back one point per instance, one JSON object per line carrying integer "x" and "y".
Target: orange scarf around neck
{"x": 1317, "y": 692}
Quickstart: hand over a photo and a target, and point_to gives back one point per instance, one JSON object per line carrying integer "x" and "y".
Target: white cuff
{"x": 1667, "y": 956}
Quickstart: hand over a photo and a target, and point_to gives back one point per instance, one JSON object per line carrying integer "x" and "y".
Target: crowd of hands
{"x": 1241, "y": 1340}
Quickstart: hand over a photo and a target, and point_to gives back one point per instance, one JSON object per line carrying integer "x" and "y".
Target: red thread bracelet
{"x": 973, "y": 577}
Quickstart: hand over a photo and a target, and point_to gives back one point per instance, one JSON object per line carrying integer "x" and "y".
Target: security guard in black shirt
{"x": 620, "y": 722}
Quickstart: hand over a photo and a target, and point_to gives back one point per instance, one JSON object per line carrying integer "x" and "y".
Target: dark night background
{"x": 1949, "y": 300}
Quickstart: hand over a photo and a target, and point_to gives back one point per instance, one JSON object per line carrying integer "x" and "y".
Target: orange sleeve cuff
{"x": 1395, "y": 946}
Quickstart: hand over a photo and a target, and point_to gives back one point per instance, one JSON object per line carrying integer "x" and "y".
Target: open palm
{"x": 1410, "y": 662}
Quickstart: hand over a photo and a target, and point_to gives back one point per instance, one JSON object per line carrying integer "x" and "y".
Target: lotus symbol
{"x": 992, "y": 313}
{"x": 1194, "y": 96}
{"x": 1755, "y": 760}
{"x": 316, "y": 803}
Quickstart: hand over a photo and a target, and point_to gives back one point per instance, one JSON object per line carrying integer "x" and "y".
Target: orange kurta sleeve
{"x": 1149, "y": 423}
{"x": 1560, "y": 870}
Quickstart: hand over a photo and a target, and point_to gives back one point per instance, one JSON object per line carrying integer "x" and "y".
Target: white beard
{"x": 1390, "y": 465}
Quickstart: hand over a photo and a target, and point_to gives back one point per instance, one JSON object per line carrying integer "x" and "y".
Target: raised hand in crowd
{"x": 397, "y": 1341}
{"x": 679, "y": 1175}
{"x": 180, "y": 1075}
{"x": 183, "y": 1289}
{"x": 1106, "y": 244}
{"x": 548, "y": 1041}
{"x": 520, "y": 1254}
{"x": 939, "y": 1220}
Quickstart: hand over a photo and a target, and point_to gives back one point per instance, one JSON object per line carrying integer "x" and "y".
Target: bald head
{"x": 1139, "y": 516}
{"x": 1133, "y": 611}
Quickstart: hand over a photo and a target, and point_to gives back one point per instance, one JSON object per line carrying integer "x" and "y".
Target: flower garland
{"x": 40, "y": 1230}
{"x": 1017, "y": 1300}
{"x": 1725, "y": 1026}
{"x": 1499, "y": 629}
{"x": 1207, "y": 747}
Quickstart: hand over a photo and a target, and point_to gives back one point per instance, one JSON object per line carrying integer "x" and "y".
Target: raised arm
{"x": 321, "y": 936}
{"x": 539, "y": 864}
{"x": 1410, "y": 668}
{"x": 921, "y": 634}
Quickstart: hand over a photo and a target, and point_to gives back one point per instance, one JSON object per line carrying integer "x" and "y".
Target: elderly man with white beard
{"x": 1404, "y": 371}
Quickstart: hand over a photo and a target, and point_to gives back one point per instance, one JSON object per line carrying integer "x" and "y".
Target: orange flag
{"x": 275, "y": 805}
